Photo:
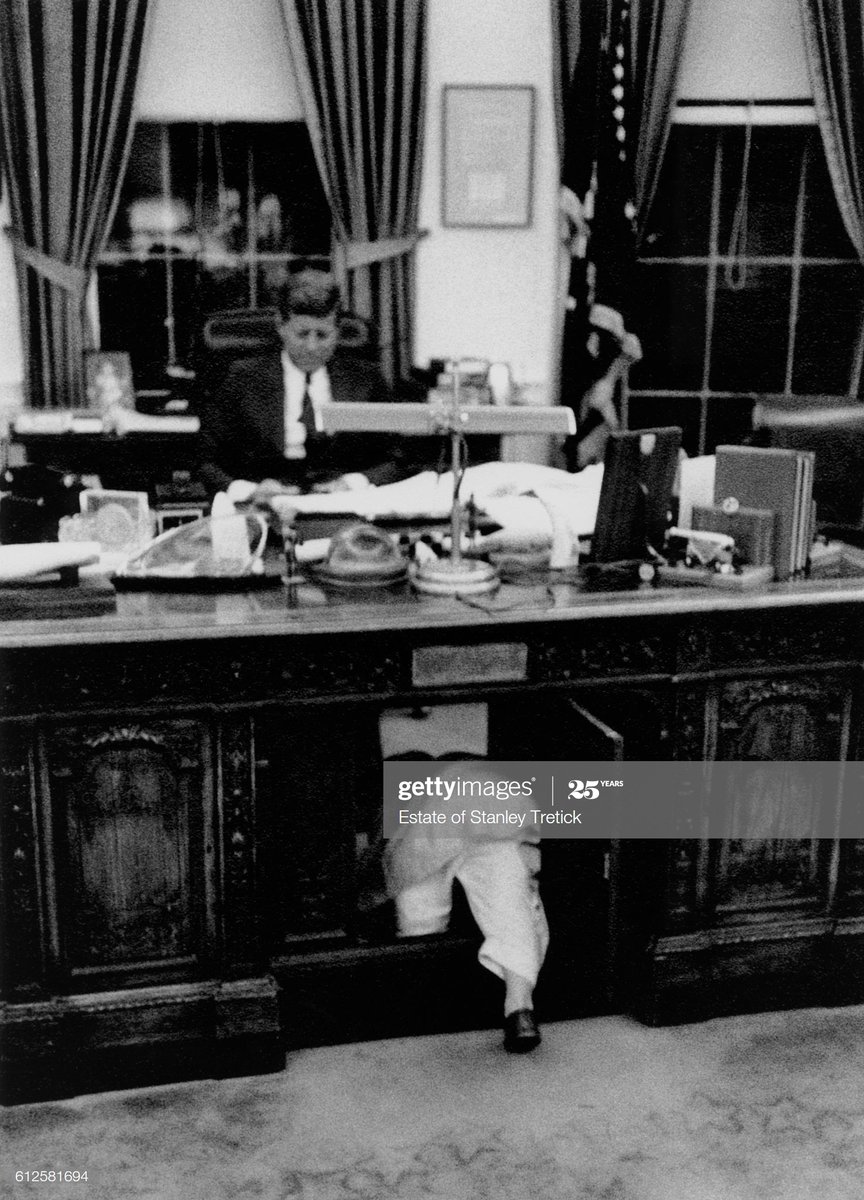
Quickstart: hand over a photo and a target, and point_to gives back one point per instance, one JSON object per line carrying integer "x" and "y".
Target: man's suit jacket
{"x": 243, "y": 429}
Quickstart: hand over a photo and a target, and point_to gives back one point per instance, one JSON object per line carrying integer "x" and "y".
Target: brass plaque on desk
{"x": 489, "y": 662}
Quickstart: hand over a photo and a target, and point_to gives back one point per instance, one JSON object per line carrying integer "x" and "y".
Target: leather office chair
{"x": 835, "y": 433}
{"x": 251, "y": 330}
{"x": 241, "y": 331}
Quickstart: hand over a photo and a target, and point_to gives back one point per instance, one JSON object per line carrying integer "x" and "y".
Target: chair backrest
{"x": 241, "y": 331}
{"x": 359, "y": 336}
{"x": 835, "y": 434}
{"x": 250, "y": 330}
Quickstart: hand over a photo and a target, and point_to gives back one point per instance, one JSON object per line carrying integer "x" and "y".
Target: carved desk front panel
{"x": 142, "y": 756}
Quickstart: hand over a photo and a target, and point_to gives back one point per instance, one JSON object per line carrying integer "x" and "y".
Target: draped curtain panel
{"x": 67, "y": 82}
{"x": 565, "y": 51}
{"x": 834, "y": 41}
{"x": 658, "y": 29}
{"x": 361, "y": 69}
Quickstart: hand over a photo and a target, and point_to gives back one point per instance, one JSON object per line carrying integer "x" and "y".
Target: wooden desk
{"x": 184, "y": 788}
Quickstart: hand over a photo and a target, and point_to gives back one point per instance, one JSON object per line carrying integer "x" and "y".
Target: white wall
{"x": 489, "y": 293}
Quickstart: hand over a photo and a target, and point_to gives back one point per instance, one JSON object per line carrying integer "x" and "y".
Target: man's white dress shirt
{"x": 295, "y": 389}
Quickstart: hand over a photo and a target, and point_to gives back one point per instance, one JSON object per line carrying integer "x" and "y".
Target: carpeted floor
{"x": 750, "y": 1108}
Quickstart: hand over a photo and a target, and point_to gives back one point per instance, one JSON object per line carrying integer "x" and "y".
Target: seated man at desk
{"x": 262, "y": 434}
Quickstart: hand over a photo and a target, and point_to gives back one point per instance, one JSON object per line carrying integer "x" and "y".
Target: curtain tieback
{"x": 63, "y": 275}
{"x": 362, "y": 254}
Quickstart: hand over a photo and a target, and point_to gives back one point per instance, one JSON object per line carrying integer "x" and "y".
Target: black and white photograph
{"x": 432, "y": 599}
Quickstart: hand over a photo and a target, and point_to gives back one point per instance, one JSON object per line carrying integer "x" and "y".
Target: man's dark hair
{"x": 308, "y": 291}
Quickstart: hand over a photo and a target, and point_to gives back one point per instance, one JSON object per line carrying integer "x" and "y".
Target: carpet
{"x": 767, "y": 1107}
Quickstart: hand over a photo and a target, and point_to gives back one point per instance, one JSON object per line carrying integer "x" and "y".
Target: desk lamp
{"x": 454, "y": 574}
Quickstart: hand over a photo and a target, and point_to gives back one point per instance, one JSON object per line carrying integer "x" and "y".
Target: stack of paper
{"x": 28, "y": 560}
{"x": 775, "y": 479}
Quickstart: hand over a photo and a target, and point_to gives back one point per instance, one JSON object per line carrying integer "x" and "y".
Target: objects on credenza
{"x": 33, "y": 499}
{"x": 123, "y": 421}
{"x": 480, "y": 382}
{"x": 108, "y": 375}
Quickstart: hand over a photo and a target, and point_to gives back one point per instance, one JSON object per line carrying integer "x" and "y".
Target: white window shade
{"x": 704, "y": 112}
{"x": 217, "y": 60}
{"x": 744, "y": 50}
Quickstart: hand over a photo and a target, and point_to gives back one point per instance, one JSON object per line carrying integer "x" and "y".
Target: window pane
{"x": 824, "y": 233}
{"x": 771, "y": 193}
{"x": 270, "y": 277}
{"x": 729, "y": 421}
{"x": 133, "y": 308}
{"x": 680, "y": 217}
{"x": 651, "y": 412}
{"x": 222, "y": 284}
{"x": 670, "y": 321}
{"x": 830, "y": 312}
{"x": 209, "y": 177}
{"x": 291, "y": 210}
{"x": 211, "y": 197}
{"x": 142, "y": 181}
{"x": 751, "y": 331}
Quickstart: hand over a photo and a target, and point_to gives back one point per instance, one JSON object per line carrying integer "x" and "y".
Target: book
{"x": 774, "y": 479}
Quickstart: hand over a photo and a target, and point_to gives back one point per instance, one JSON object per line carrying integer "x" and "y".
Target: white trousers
{"x": 500, "y": 881}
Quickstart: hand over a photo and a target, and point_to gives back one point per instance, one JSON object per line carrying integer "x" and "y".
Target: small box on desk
{"x": 753, "y": 529}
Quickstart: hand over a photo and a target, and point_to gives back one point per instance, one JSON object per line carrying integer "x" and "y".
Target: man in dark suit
{"x": 262, "y": 433}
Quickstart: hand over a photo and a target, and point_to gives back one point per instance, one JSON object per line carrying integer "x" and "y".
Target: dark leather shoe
{"x": 521, "y": 1033}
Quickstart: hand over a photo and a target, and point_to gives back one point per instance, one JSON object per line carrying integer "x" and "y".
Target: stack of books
{"x": 780, "y": 481}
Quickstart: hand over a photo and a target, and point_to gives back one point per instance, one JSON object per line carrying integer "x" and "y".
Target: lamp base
{"x": 447, "y": 578}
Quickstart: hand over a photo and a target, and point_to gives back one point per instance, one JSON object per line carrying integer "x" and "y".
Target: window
{"x": 742, "y": 291}
{"x": 209, "y": 217}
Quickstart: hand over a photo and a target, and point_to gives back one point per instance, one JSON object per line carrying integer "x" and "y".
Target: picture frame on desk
{"x": 487, "y": 141}
{"x": 108, "y": 379}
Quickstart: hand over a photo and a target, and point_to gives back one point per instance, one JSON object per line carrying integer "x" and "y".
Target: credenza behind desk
{"x": 188, "y": 787}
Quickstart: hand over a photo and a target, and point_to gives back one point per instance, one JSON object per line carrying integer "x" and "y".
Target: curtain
{"x": 361, "y": 69}
{"x": 565, "y": 51}
{"x": 834, "y": 42}
{"x": 67, "y": 82}
{"x": 657, "y": 40}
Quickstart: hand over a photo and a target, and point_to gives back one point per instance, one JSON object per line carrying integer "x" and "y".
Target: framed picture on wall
{"x": 487, "y": 137}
